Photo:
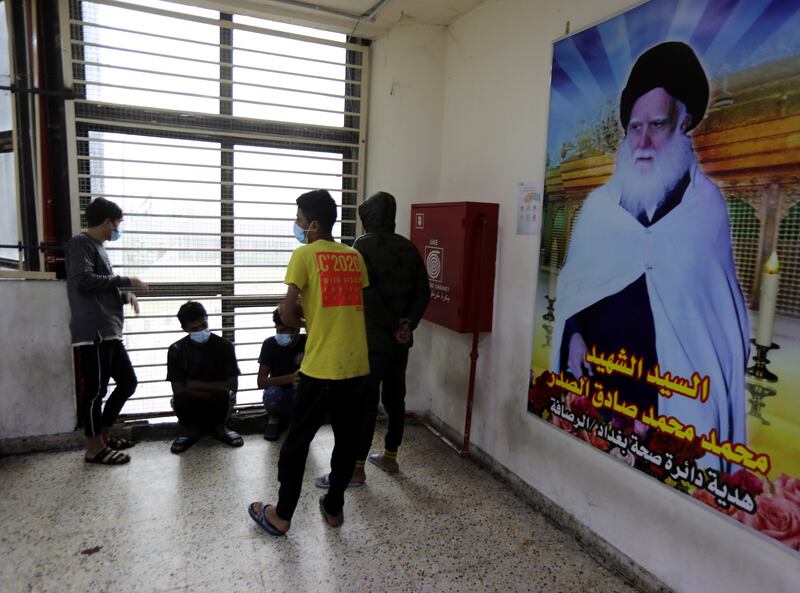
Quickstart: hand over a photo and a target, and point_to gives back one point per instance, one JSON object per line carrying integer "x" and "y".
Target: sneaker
{"x": 324, "y": 482}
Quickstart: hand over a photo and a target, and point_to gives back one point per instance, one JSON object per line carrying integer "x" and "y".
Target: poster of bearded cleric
{"x": 667, "y": 324}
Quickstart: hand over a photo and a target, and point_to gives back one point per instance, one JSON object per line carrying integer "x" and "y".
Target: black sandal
{"x": 119, "y": 443}
{"x": 109, "y": 456}
{"x": 232, "y": 438}
{"x": 182, "y": 443}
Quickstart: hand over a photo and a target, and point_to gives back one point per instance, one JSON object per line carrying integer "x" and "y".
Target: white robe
{"x": 700, "y": 316}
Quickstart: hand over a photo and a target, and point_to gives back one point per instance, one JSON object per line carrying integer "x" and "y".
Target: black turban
{"x": 674, "y": 67}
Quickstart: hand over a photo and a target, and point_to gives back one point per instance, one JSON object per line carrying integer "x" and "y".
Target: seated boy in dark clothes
{"x": 279, "y": 362}
{"x": 204, "y": 374}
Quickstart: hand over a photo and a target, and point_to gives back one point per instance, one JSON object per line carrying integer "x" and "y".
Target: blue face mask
{"x": 200, "y": 337}
{"x": 300, "y": 233}
{"x": 284, "y": 339}
{"x": 116, "y": 234}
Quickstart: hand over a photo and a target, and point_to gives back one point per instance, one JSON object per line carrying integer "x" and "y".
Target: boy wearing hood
{"x": 394, "y": 303}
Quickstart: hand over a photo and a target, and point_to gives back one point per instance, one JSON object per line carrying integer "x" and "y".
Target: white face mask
{"x": 284, "y": 339}
{"x": 300, "y": 233}
{"x": 200, "y": 337}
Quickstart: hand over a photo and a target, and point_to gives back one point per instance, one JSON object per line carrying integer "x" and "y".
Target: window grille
{"x": 9, "y": 230}
{"x": 204, "y": 127}
{"x": 544, "y": 246}
{"x": 572, "y": 220}
{"x": 745, "y": 235}
{"x": 558, "y": 236}
{"x": 789, "y": 258}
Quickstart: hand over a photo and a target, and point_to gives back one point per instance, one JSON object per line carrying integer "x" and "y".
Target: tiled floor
{"x": 179, "y": 523}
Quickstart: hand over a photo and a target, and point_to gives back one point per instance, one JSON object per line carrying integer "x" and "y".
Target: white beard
{"x": 645, "y": 192}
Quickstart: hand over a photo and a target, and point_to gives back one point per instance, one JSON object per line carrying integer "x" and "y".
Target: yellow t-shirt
{"x": 330, "y": 277}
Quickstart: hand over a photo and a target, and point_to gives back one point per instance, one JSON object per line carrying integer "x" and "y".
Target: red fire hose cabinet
{"x": 458, "y": 243}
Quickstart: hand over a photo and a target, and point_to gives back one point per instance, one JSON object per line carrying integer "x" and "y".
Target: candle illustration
{"x": 768, "y": 299}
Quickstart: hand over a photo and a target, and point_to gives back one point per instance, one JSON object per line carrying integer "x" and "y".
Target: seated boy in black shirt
{"x": 204, "y": 374}
{"x": 279, "y": 362}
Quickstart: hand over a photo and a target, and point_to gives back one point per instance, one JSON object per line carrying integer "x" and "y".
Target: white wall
{"x": 496, "y": 87}
{"x": 37, "y": 393}
{"x": 406, "y": 102}
{"x": 405, "y": 129}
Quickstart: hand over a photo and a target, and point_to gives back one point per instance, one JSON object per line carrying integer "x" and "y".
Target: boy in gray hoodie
{"x": 96, "y": 296}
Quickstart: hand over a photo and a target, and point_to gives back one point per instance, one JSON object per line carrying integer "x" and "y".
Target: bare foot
{"x": 272, "y": 516}
{"x": 331, "y": 520}
{"x": 359, "y": 476}
{"x": 93, "y": 446}
{"x": 387, "y": 464}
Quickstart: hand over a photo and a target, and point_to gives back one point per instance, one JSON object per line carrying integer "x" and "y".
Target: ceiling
{"x": 343, "y": 15}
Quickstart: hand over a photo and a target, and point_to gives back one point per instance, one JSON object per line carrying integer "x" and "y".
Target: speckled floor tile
{"x": 178, "y": 524}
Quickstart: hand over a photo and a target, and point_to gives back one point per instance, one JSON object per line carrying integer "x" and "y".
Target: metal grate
{"x": 789, "y": 257}
{"x": 745, "y": 235}
{"x": 544, "y": 245}
{"x": 572, "y": 220}
{"x": 204, "y": 127}
{"x": 558, "y": 237}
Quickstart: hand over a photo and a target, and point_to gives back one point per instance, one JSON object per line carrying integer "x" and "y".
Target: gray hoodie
{"x": 95, "y": 300}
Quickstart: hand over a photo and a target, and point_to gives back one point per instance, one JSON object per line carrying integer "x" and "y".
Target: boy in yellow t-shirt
{"x": 329, "y": 276}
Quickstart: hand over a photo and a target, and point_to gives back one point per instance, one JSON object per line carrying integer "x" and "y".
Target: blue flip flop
{"x": 261, "y": 519}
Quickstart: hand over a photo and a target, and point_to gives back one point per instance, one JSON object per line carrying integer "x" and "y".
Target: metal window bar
{"x": 172, "y": 315}
{"x": 93, "y": 83}
{"x": 83, "y": 43}
{"x": 195, "y": 181}
{"x": 163, "y": 364}
{"x": 177, "y": 335}
{"x": 202, "y": 166}
{"x": 238, "y": 150}
{"x": 207, "y": 217}
{"x": 221, "y": 23}
{"x": 140, "y": 127}
{"x": 206, "y": 78}
{"x": 179, "y": 199}
{"x": 208, "y": 192}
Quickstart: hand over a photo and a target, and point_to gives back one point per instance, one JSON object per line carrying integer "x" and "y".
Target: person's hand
{"x": 296, "y": 379}
{"x": 403, "y": 333}
{"x": 577, "y": 357}
{"x": 138, "y": 284}
{"x": 133, "y": 302}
